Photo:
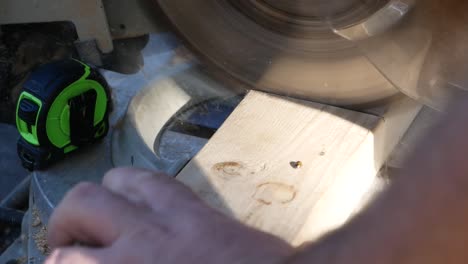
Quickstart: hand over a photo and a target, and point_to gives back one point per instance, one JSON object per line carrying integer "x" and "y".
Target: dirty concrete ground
{"x": 22, "y": 48}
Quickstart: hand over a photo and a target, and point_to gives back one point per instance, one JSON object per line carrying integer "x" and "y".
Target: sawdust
{"x": 36, "y": 221}
{"x": 182, "y": 55}
{"x": 22, "y": 260}
{"x": 40, "y": 237}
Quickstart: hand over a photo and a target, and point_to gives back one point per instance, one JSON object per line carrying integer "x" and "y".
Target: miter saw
{"x": 351, "y": 53}
{"x": 341, "y": 52}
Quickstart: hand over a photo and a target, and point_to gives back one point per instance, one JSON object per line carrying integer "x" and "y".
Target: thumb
{"x": 78, "y": 255}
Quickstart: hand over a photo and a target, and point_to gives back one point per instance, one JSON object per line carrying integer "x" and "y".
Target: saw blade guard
{"x": 284, "y": 47}
{"x": 418, "y": 45}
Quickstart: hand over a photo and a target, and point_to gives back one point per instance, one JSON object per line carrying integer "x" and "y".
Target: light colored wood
{"x": 136, "y": 139}
{"x": 424, "y": 121}
{"x": 245, "y": 169}
{"x": 395, "y": 123}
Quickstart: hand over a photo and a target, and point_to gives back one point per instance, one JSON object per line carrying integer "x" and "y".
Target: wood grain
{"x": 246, "y": 172}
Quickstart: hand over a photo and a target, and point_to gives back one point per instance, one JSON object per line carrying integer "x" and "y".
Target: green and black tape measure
{"x": 63, "y": 106}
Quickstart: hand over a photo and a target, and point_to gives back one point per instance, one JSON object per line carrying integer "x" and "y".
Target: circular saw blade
{"x": 424, "y": 53}
{"x": 271, "y": 50}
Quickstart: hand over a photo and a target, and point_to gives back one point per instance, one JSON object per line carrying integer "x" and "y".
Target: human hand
{"x": 137, "y": 216}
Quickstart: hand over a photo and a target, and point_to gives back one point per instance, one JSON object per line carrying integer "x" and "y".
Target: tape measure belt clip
{"x": 82, "y": 108}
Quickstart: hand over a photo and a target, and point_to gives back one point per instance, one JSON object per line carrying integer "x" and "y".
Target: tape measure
{"x": 62, "y": 107}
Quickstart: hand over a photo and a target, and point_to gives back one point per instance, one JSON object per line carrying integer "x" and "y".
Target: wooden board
{"x": 245, "y": 168}
{"x": 425, "y": 120}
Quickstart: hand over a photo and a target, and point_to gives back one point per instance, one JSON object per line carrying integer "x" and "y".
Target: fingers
{"x": 78, "y": 255}
{"x": 158, "y": 192}
{"x": 121, "y": 181}
{"x": 92, "y": 215}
